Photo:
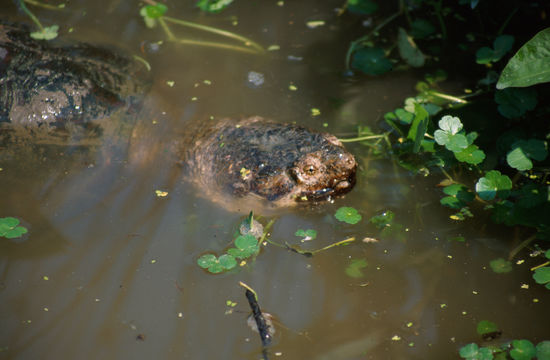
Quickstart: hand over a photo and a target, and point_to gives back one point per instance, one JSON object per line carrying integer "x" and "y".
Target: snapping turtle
{"x": 75, "y": 89}
{"x": 257, "y": 158}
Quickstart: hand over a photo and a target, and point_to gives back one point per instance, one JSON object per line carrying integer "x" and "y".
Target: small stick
{"x": 263, "y": 328}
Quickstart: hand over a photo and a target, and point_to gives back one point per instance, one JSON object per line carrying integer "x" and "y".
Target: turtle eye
{"x": 309, "y": 170}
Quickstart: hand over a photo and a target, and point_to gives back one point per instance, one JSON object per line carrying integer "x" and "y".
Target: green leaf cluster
{"x": 9, "y": 228}
{"x": 451, "y": 135}
{"x": 215, "y": 264}
{"x": 246, "y": 246}
{"x": 519, "y": 349}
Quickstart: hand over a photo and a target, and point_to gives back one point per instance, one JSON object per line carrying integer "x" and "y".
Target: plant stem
{"x": 523, "y": 244}
{"x": 266, "y": 229}
{"x": 342, "y": 242}
{"x": 446, "y": 174}
{"x": 45, "y": 6}
{"x": 166, "y": 29}
{"x": 31, "y": 15}
{"x": 361, "y": 138}
{"x": 539, "y": 266}
{"x": 214, "y": 45}
{"x": 228, "y": 34}
{"x": 447, "y": 97}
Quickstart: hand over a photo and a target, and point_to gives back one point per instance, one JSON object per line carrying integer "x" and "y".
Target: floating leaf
{"x": 348, "y": 215}
{"x": 408, "y": 49}
{"x": 530, "y": 65}
{"x": 49, "y": 33}
{"x": 486, "y": 327}
{"x": 542, "y": 275}
{"x": 245, "y": 246}
{"x": 515, "y": 102}
{"x": 364, "y": 7}
{"x": 228, "y": 262}
{"x": 206, "y": 260}
{"x": 523, "y": 151}
{"x": 474, "y": 352}
{"x": 371, "y": 61}
{"x": 216, "y": 265}
{"x": 523, "y": 350}
{"x": 500, "y": 266}
{"x": 543, "y": 350}
{"x": 493, "y": 184}
{"x": 354, "y": 268}
{"x": 9, "y": 228}
{"x": 471, "y": 155}
{"x": 213, "y": 6}
{"x": 501, "y": 46}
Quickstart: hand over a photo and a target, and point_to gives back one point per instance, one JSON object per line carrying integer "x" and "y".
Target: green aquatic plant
{"x": 501, "y": 45}
{"x": 9, "y": 228}
{"x": 44, "y": 32}
{"x": 542, "y": 272}
{"x": 530, "y": 65}
{"x": 248, "y": 237}
{"x": 501, "y": 265}
{"x": 213, "y": 6}
{"x": 307, "y": 235}
{"x": 519, "y": 349}
{"x": 348, "y": 215}
{"x": 154, "y": 14}
{"x": 217, "y": 264}
{"x": 355, "y": 268}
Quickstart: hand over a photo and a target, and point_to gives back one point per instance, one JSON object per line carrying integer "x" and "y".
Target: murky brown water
{"x": 122, "y": 280}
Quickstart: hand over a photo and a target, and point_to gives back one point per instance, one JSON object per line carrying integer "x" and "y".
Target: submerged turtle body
{"x": 69, "y": 94}
{"x": 56, "y": 90}
{"x": 255, "y": 158}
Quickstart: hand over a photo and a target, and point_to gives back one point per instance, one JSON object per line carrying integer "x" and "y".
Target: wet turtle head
{"x": 324, "y": 173}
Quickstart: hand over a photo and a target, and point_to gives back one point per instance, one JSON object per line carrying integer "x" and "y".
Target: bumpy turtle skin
{"x": 62, "y": 87}
{"x": 282, "y": 163}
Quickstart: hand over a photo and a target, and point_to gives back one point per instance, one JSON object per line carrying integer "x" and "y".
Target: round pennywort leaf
{"x": 523, "y": 350}
{"x": 348, "y": 215}
{"x": 493, "y": 184}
